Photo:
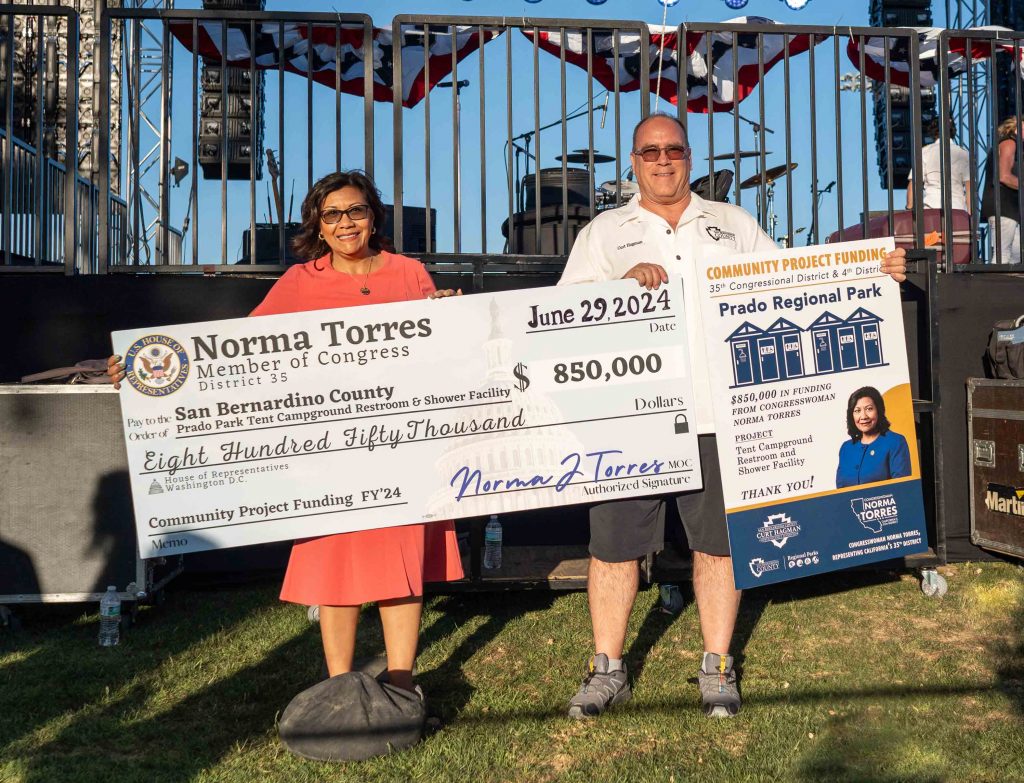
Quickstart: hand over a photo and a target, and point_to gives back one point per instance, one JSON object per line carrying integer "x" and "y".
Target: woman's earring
{"x": 321, "y": 235}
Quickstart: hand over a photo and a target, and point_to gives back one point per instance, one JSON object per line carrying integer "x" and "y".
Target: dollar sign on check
{"x": 522, "y": 382}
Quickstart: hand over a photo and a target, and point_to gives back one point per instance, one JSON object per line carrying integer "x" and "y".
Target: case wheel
{"x": 933, "y": 584}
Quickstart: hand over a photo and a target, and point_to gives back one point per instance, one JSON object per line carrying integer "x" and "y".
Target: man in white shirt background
{"x": 666, "y": 225}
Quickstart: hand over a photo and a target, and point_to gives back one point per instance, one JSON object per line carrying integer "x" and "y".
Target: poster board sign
{"x": 813, "y": 410}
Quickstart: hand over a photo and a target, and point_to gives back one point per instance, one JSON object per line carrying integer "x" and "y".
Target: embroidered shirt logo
{"x": 630, "y": 244}
{"x": 718, "y": 234}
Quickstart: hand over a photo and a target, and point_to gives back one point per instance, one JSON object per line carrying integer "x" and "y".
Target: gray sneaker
{"x": 600, "y": 689}
{"x": 718, "y": 688}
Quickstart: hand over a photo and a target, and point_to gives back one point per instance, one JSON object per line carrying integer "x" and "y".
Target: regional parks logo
{"x": 156, "y": 365}
{"x": 876, "y": 512}
{"x": 777, "y": 529}
{"x": 803, "y": 560}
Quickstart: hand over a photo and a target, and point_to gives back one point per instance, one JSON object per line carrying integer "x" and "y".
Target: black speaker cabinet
{"x": 66, "y": 524}
{"x": 995, "y": 426}
{"x": 414, "y": 228}
{"x": 268, "y": 244}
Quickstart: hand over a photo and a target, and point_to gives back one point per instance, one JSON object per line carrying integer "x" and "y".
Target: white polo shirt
{"x": 960, "y": 175}
{"x": 618, "y": 239}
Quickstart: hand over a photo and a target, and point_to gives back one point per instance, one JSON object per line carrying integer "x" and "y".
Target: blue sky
{"x": 831, "y": 155}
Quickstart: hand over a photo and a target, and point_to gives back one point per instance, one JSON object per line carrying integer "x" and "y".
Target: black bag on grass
{"x": 1004, "y": 357}
{"x": 351, "y": 717}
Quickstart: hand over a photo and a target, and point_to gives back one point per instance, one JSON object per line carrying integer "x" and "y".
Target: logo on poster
{"x": 876, "y": 512}
{"x": 777, "y": 529}
{"x": 803, "y": 559}
{"x": 156, "y": 365}
{"x": 760, "y": 566}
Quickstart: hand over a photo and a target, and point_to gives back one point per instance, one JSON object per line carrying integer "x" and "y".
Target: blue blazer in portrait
{"x": 886, "y": 458}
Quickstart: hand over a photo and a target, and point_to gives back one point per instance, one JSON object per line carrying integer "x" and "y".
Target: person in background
{"x": 931, "y": 169}
{"x": 342, "y": 221}
{"x": 1001, "y": 192}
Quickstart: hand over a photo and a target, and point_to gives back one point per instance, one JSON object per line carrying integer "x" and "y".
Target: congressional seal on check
{"x": 290, "y": 426}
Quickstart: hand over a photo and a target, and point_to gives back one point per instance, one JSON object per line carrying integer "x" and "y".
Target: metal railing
{"x": 504, "y": 139}
{"x": 991, "y": 223}
{"x": 564, "y": 198}
{"x": 244, "y": 42}
{"x": 37, "y": 214}
{"x": 32, "y": 209}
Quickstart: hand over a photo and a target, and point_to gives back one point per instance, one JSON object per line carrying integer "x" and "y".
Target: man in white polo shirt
{"x": 666, "y": 225}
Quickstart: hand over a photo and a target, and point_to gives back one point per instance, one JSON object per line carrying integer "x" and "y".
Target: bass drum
{"x": 577, "y": 186}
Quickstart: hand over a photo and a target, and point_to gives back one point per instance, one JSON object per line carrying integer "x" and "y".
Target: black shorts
{"x": 623, "y": 530}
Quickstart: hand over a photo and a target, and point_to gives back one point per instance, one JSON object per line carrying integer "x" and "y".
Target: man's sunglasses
{"x": 358, "y": 212}
{"x": 653, "y": 154}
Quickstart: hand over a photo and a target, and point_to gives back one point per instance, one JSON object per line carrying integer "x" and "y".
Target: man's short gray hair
{"x": 660, "y": 115}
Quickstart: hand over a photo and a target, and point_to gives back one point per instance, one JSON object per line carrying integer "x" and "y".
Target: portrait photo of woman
{"x": 874, "y": 452}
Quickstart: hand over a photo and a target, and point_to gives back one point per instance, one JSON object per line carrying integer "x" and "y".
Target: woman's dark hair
{"x": 871, "y": 393}
{"x": 307, "y": 244}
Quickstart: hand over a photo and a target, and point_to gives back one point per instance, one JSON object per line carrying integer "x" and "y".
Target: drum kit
{"x": 612, "y": 192}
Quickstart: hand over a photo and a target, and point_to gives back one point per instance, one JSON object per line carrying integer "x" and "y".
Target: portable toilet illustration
{"x": 789, "y": 347}
{"x": 746, "y": 362}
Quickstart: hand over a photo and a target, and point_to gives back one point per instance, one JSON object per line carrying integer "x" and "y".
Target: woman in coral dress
{"x": 341, "y": 218}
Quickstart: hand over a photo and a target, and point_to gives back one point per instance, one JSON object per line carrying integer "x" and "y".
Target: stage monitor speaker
{"x": 414, "y": 228}
{"x": 523, "y": 238}
{"x": 268, "y": 244}
{"x": 67, "y": 529}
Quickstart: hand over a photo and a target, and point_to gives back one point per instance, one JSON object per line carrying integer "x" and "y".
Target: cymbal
{"x": 768, "y": 177}
{"x": 742, "y": 154}
{"x": 583, "y": 156}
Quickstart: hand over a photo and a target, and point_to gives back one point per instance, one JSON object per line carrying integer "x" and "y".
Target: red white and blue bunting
{"x": 333, "y": 56}
{"x": 319, "y": 49}
{"x": 962, "y": 52}
{"x": 725, "y": 91}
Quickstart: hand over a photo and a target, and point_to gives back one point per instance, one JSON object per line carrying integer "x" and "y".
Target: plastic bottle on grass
{"x": 492, "y": 544}
{"x": 110, "y": 617}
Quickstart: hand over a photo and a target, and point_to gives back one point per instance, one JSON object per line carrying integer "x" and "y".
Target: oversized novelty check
{"x": 289, "y": 426}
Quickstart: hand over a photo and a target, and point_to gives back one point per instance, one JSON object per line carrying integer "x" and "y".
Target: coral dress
{"x": 368, "y": 565}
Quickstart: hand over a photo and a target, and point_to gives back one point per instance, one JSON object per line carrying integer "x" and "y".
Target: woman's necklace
{"x": 364, "y": 289}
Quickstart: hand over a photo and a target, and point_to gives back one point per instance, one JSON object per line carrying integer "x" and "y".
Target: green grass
{"x": 855, "y": 677}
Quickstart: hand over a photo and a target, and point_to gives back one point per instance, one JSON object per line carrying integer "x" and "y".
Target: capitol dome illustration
{"x": 534, "y": 450}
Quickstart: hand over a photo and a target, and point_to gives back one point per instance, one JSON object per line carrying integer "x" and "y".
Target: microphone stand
{"x": 812, "y": 235}
{"x": 526, "y": 136}
{"x": 763, "y": 219}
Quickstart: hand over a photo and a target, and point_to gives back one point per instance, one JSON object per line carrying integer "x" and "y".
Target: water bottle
{"x": 110, "y": 617}
{"x": 492, "y": 544}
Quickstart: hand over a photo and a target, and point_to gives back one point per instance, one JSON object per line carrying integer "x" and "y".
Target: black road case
{"x": 995, "y": 427}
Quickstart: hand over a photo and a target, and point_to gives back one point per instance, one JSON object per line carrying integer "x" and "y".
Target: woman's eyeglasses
{"x": 358, "y": 212}
{"x": 653, "y": 154}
